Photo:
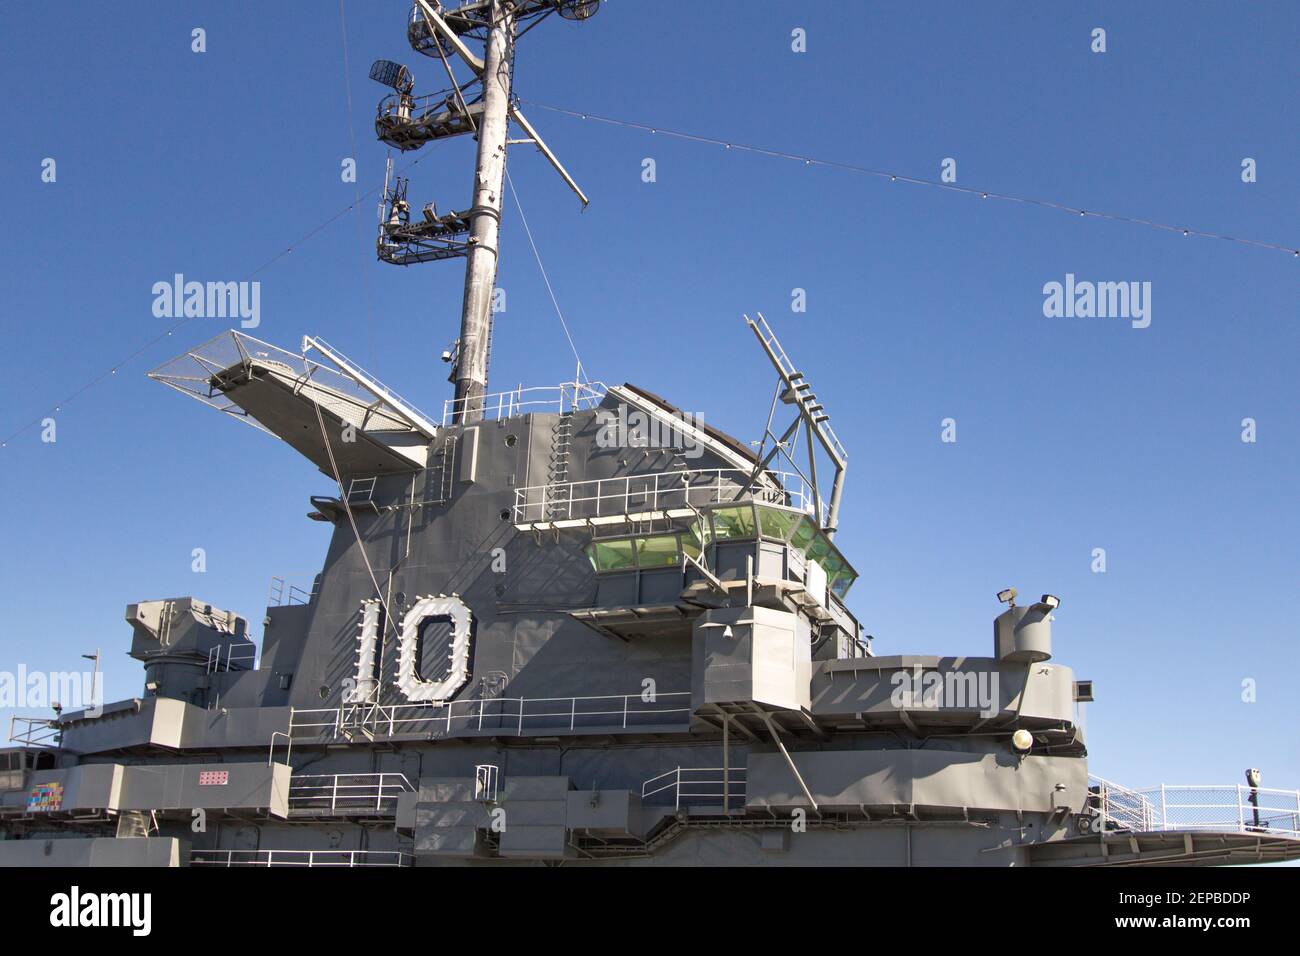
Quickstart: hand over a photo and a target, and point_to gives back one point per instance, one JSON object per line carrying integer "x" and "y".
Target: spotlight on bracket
{"x": 1007, "y": 597}
{"x": 1022, "y": 741}
{"x": 1051, "y": 600}
{"x": 577, "y": 9}
{"x": 392, "y": 75}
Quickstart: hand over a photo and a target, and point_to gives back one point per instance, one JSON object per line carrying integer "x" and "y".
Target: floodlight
{"x": 577, "y": 9}
{"x": 1008, "y": 597}
{"x": 392, "y": 75}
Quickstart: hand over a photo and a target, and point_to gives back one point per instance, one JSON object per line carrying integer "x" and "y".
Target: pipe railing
{"x": 697, "y": 786}
{"x": 657, "y": 491}
{"x": 236, "y": 658}
{"x": 34, "y": 731}
{"x": 500, "y": 715}
{"x": 565, "y": 397}
{"x": 1211, "y": 808}
{"x": 341, "y": 794}
{"x": 349, "y": 858}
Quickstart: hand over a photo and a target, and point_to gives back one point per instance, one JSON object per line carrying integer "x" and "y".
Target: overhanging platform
{"x": 312, "y": 407}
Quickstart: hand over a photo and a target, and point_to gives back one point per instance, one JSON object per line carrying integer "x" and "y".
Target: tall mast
{"x": 481, "y": 260}
{"x": 481, "y": 106}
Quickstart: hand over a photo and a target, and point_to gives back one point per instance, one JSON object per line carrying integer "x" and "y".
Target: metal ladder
{"x": 445, "y": 466}
{"x": 557, "y": 469}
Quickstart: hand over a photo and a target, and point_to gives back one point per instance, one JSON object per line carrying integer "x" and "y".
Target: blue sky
{"x": 1073, "y": 434}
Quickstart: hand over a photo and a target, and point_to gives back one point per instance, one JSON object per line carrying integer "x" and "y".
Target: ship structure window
{"x": 729, "y": 523}
{"x": 804, "y": 533}
{"x": 691, "y": 542}
{"x": 660, "y": 551}
{"x": 801, "y": 533}
{"x": 733, "y": 522}
{"x": 612, "y": 555}
{"x": 646, "y": 552}
{"x": 776, "y": 523}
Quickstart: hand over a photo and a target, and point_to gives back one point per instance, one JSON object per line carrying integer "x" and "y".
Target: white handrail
{"x": 718, "y": 786}
{"x": 567, "y": 396}
{"x": 656, "y": 491}
{"x": 342, "y": 793}
{"x": 348, "y": 858}
{"x": 512, "y": 714}
{"x": 1214, "y": 808}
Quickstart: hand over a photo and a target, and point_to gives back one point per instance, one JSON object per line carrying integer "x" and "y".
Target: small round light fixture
{"x": 1022, "y": 741}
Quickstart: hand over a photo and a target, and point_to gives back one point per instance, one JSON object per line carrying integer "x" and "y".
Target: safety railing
{"x": 1228, "y": 809}
{"x": 282, "y": 593}
{"x": 346, "y": 794}
{"x": 231, "y": 858}
{"x": 204, "y": 372}
{"x": 1122, "y": 808}
{"x": 565, "y": 397}
{"x": 34, "y": 731}
{"x": 500, "y": 715}
{"x": 1208, "y": 808}
{"x": 697, "y": 787}
{"x": 660, "y": 491}
{"x": 231, "y": 657}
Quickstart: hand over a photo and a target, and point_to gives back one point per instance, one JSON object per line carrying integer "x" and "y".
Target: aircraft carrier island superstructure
{"x": 570, "y": 626}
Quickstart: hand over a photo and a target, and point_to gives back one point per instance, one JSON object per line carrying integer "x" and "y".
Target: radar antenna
{"x": 482, "y": 105}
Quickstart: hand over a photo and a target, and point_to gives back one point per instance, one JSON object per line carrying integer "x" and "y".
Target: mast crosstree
{"x": 481, "y": 106}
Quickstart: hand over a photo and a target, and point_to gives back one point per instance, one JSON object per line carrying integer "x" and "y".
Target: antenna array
{"x": 481, "y": 105}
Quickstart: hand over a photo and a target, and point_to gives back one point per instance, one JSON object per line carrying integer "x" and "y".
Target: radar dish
{"x": 393, "y": 75}
{"x": 577, "y": 9}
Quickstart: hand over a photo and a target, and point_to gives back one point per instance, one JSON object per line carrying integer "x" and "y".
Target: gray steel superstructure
{"x": 570, "y": 625}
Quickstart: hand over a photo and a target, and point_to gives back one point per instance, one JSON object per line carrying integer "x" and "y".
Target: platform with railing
{"x": 600, "y": 500}
{"x": 335, "y": 858}
{"x": 562, "y": 398}
{"x": 231, "y": 657}
{"x": 34, "y": 731}
{"x": 516, "y": 716}
{"x": 685, "y": 788}
{"x": 1208, "y": 808}
{"x": 346, "y": 794}
{"x": 283, "y": 593}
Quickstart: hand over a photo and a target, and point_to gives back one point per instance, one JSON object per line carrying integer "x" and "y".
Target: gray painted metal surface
{"x": 531, "y": 644}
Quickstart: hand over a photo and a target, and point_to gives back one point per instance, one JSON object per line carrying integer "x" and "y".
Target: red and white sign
{"x": 214, "y": 778}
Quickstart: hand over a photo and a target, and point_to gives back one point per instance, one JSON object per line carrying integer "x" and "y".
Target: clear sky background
{"x": 1073, "y": 434}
